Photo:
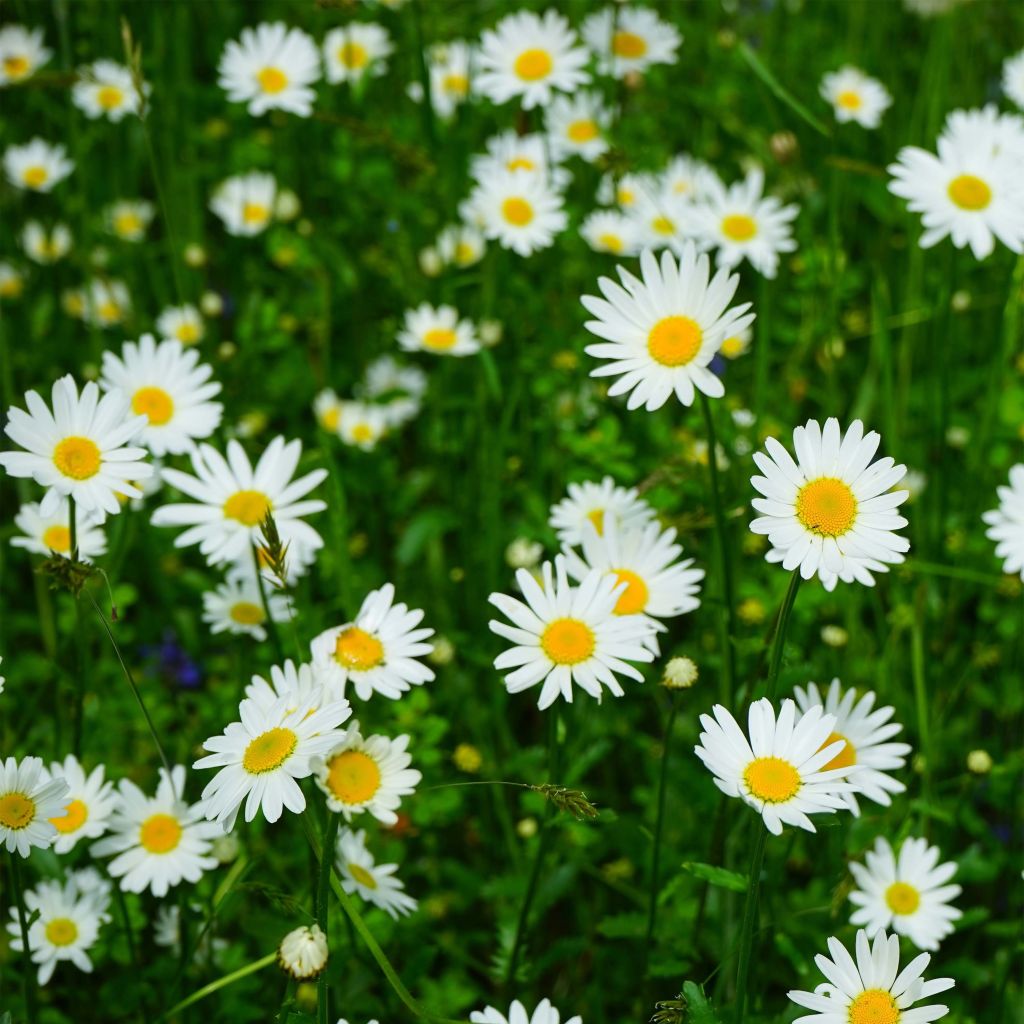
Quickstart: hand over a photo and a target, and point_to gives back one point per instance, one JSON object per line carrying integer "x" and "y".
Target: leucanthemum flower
{"x": 29, "y": 802}
{"x": 356, "y": 50}
{"x": 397, "y": 389}
{"x": 528, "y": 56}
{"x": 544, "y": 1013}
{"x": 1006, "y": 523}
{"x": 518, "y": 209}
{"x": 303, "y": 952}
{"x": 661, "y": 332}
{"x": 687, "y": 177}
{"x": 906, "y": 894}
{"x": 781, "y": 770}
{"x": 45, "y": 246}
{"x": 450, "y": 67}
{"x": 855, "y": 96}
{"x": 832, "y": 511}
{"x": 22, "y": 53}
{"x": 630, "y": 40}
{"x": 987, "y": 130}
{"x": 437, "y": 330}
{"x": 510, "y": 151}
{"x": 597, "y": 504}
{"x": 88, "y": 803}
{"x": 362, "y": 425}
{"x": 612, "y": 232}
{"x": 235, "y": 606}
{"x": 107, "y": 89}
{"x": 662, "y": 218}
{"x": 12, "y": 281}
{"x": 461, "y": 245}
{"x": 183, "y": 323}
{"x": 576, "y": 126}
{"x": 46, "y": 535}
{"x": 368, "y": 773}
{"x": 379, "y": 651}
{"x": 107, "y": 303}
{"x": 375, "y": 883}
{"x": 79, "y": 449}
{"x": 271, "y": 67}
{"x": 1013, "y": 79}
{"x": 37, "y": 166}
{"x": 871, "y": 989}
{"x": 737, "y": 343}
{"x": 128, "y": 219}
{"x": 327, "y": 408}
{"x": 245, "y": 203}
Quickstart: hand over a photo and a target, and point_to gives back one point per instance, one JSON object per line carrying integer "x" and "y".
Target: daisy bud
{"x": 834, "y": 636}
{"x": 226, "y": 848}
{"x": 211, "y": 304}
{"x": 287, "y": 206}
{"x": 527, "y": 828}
{"x": 979, "y": 762}
{"x": 430, "y": 261}
{"x": 490, "y": 332}
{"x": 783, "y": 146}
{"x": 523, "y": 553}
{"x": 957, "y": 437}
{"x": 467, "y": 758}
{"x": 443, "y": 652}
{"x": 751, "y": 611}
{"x": 680, "y": 674}
{"x": 303, "y": 952}
{"x": 195, "y": 255}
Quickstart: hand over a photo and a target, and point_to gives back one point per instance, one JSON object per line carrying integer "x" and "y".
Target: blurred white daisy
{"x": 362, "y": 425}
{"x": 437, "y": 330}
{"x": 544, "y": 1013}
{"x": 612, "y": 232}
{"x": 12, "y": 281}
{"x": 46, "y": 535}
{"x": 449, "y": 68}
{"x": 576, "y": 125}
{"x": 629, "y": 40}
{"x": 375, "y": 883}
{"x": 1013, "y": 78}
{"x": 327, "y": 408}
{"x": 88, "y": 802}
{"x": 245, "y": 203}
{"x": 597, "y": 504}
{"x": 128, "y": 219}
{"x": 855, "y": 96}
{"x": 986, "y": 130}
{"x": 37, "y": 166}
{"x": 22, "y": 53}
{"x": 510, "y": 151}
{"x": 737, "y": 343}
{"x": 108, "y": 303}
{"x": 519, "y": 210}
{"x": 1006, "y": 523}
{"x": 688, "y": 177}
{"x": 461, "y": 245}
{"x": 663, "y": 218}
{"x": 45, "y": 246}
{"x": 107, "y": 89}
{"x": 356, "y": 50}
{"x": 235, "y": 606}
{"x": 183, "y": 323}
{"x": 29, "y": 802}
{"x": 626, "y": 190}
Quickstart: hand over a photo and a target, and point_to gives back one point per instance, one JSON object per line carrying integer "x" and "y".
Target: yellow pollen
{"x": 611, "y": 242}
{"x": 329, "y": 418}
{"x": 35, "y": 177}
{"x": 160, "y": 833}
{"x": 626, "y": 197}
{"x": 739, "y": 227}
{"x": 440, "y": 339}
{"x": 61, "y": 931}
{"x": 57, "y": 538}
{"x": 154, "y": 403}
{"x": 521, "y": 163}
{"x": 567, "y": 641}
{"x": 362, "y": 432}
{"x": 358, "y": 650}
{"x": 826, "y": 506}
{"x": 187, "y": 333}
{"x": 533, "y": 65}
{"x": 457, "y": 84}
{"x": 517, "y": 211}
{"x": 771, "y": 779}
{"x": 582, "y": 131}
{"x": 849, "y": 100}
{"x": 353, "y": 777}
{"x": 353, "y": 55}
{"x": 629, "y": 45}
{"x": 74, "y": 818}
{"x": 110, "y": 97}
{"x": 16, "y": 810}
{"x": 969, "y": 192}
{"x": 634, "y": 598}
{"x": 249, "y": 508}
{"x": 254, "y": 213}
{"x": 269, "y": 750}
{"x": 846, "y": 757}
{"x": 674, "y": 340}
{"x": 77, "y": 457}
{"x": 362, "y": 876}
{"x": 16, "y": 66}
{"x": 902, "y": 898}
{"x": 663, "y": 226}
{"x": 272, "y": 80}
{"x": 875, "y": 1006}
{"x": 596, "y": 516}
{"x": 127, "y": 224}
{"x": 245, "y": 613}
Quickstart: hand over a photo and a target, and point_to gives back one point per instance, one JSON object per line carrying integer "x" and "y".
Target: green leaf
{"x": 717, "y": 876}
{"x": 698, "y": 1005}
{"x": 769, "y": 79}
{"x": 623, "y": 926}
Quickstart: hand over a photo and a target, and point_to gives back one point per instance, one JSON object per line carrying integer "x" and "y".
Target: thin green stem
{"x": 779, "y": 641}
{"x": 28, "y": 976}
{"x": 261, "y": 586}
{"x": 216, "y": 986}
{"x": 921, "y": 694}
{"x": 749, "y": 919}
{"x": 323, "y": 989}
{"x": 80, "y": 640}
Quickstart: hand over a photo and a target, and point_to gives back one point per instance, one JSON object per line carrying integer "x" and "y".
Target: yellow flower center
{"x": 772, "y": 779}
{"x": 625, "y": 197}
{"x": 849, "y": 100}
{"x": 969, "y": 192}
{"x": 582, "y": 131}
{"x": 353, "y": 55}
{"x": 160, "y": 833}
{"x": 596, "y": 516}
{"x": 10, "y": 287}
{"x": 533, "y": 65}
{"x": 74, "y": 818}
{"x": 357, "y": 650}
{"x": 732, "y": 347}
{"x": 154, "y": 403}
{"x": 458, "y": 85}
{"x": 846, "y": 757}
{"x": 353, "y": 777}
{"x": 610, "y": 242}
{"x": 674, "y": 340}
{"x": 272, "y": 80}
{"x": 17, "y": 810}
{"x": 517, "y": 211}
{"x": 35, "y": 177}
{"x": 826, "y": 506}
{"x": 663, "y": 226}
{"x": 57, "y": 538}
{"x": 127, "y": 224}
{"x": 634, "y": 598}
{"x": 110, "y": 97}
{"x": 61, "y": 931}
{"x": 16, "y": 66}
{"x": 109, "y": 311}
{"x": 629, "y": 45}
{"x": 568, "y": 641}
{"x": 249, "y": 508}
{"x": 875, "y": 1006}
{"x": 521, "y": 163}
{"x": 362, "y": 432}
{"x": 77, "y": 457}
{"x": 902, "y": 898}
{"x": 245, "y": 613}
{"x": 254, "y": 213}
{"x": 739, "y": 227}
{"x": 440, "y": 339}
{"x": 464, "y": 253}
{"x": 269, "y": 751}
{"x": 362, "y": 876}
{"x": 187, "y": 333}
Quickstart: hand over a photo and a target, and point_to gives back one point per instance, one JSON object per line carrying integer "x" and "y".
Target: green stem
{"x": 779, "y": 641}
{"x": 80, "y": 641}
{"x": 261, "y": 586}
{"x": 921, "y": 694}
{"x": 28, "y": 977}
{"x": 323, "y": 990}
{"x": 215, "y": 986}
{"x": 749, "y": 919}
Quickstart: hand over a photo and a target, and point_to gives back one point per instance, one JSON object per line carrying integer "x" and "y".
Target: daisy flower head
{"x": 356, "y": 50}
{"x": 45, "y": 246}
{"x": 375, "y": 883}
{"x": 22, "y": 53}
{"x": 450, "y": 69}
{"x": 612, "y": 232}
{"x": 231, "y": 498}
{"x": 296, "y": 685}
{"x": 107, "y": 303}
{"x": 510, "y": 151}
{"x": 438, "y": 330}
{"x": 687, "y": 177}
{"x": 661, "y": 331}
{"x": 737, "y": 344}
{"x": 597, "y": 504}
{"x": 368, "y": 773}
{"x": 80, "y": 449}
{"x": 159, "y": 840}
{"x": 327, "y": 408}
{"x": 245, "y": 203}
{"x": 662, "y": 217}
{"x": 397, "y": 387}
{"x": 29, "y": 801}
{"x": 461, "y": 245}
{"x": 379, "y": 651}
{"x": 906, "y": 893}
{"x": 107, "y": 89}
{"x": 37, "y": 166}
{"x": 12, "y": 281}
{"x": 529, "y": 56}
{"x": 781, "y": 770}
{"x": 855, "y": 96}
{"x": 625, "y": 191}
{"x": 518, "y": 209}
{"x": 271, "y": 67}
{"x": 1013, "y": 79}
{"x": 544, "y": 1013}
{"x": 49, "y": 535}
{"x": 630, "y": 40}
{"x": 576, "y": 126}
{"x": 564, "y": 635}
{"x": 866, "y": 732}
{"x": 128, "y": 219}
{"x": 303, "y": 952}
{"x": 260, "y": 757}
{"x": 236, "y": 606}
{"x": 183, "y": 323}
{"x": 871, "y": 989}
{"x": 986, "y": 129}
{"x": 1006, "y": 523}
{"x": 362, "y": 425}
{"x": 87, "y": 805}
{"x": 831, "y": 512}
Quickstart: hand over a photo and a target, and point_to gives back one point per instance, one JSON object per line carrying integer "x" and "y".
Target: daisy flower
{"x": 379, "y": 651}
{"x": 625, "y": 191}
{"x": 232, "y": 498}
{"x": 47, "y": 535}
{"x": 544, "y": 1013}
{"x": 986, "y": 129}
{"x": 630, "y": 40}
{"x": 167, "y": 933}
{"x": 22, "y": 53}
{"x": 781, "y": 771}
{"x": 303, "y": 952}
{"x": 611, "y": 232}
{"x": 687, "y": 177}
{"x": 261, "y": 755}
{"x": 362, "y": 425}
{"x": 29, "y": 801}
{"x": 128, "y": 219}
{"x": 529, "y": 55}
{"x": 79, "y": 448}
{"x": 661, "y": 332}
{"x": 12, "y": 281}
{"x": 245, "y": 203}
{"x": 855, "y": 96}
{"x": 87, "y": 806}
{"x": 356, "y": 50}
{"x": 865, "y": 732}
{"x": 1006, "y": 523}
{"x": 437, "y": 330}
{"x": 461, "y": 245}
{"x": 327, "y": 408}
{"x": 107, "y": 89}
{"x": 1012, "y": 80}
{"x": 397, "y": 388}
{"x": 662, "y": 219}
{"x": 236, "y": 606}
{"x": 832, "y": 512}
{"x": 271, "y": 67}
{"x": 737, "y": 344}
{"x": 597, "y": 504}
{"x": 518, "y": 209}
{"x": 450, "y": 73}
{"x": 576, "y": 126}
{"x": 871, "y": 989}
{"x": 107, "y": 303}
{"x": 37, "y": 166}
{"x": 369, "y": 773}
{"x": 159, "y": 840}
{"x": 906, "y": 894}
{"x": 510, "y": 151}
{"x": 44, "y": 246}
{"x": 301, "y": 685}
{"x": 375, "y": 883}
{"x": 183, "y": 323}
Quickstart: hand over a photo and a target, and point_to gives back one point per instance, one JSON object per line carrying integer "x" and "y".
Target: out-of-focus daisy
{"x": 782, "y": 770}
{"x": 737, "y": 343}
{"x": 37, "y": 166}
{"x": 87, "y": 805}
{"x": 271, "y": 67}
{"x": 362, "y": 425}
{"x": 510, "y": 151}
{"x": 245, "y": 203}
{"x": 906, "y": 894}
{"x": 356, "y": 50}
{"x": 661, "y": 332}
{"x": 1006, "y": 523}
{"x": 29, "y": 801}
{"x": 297, "y": 686}
{"x": 236, "y": 607}
{"x": 865, "y": 732}
{"x": 855, "y": 96}
{"x": 544, "y": 1013}
{"x": 79, "y": 449}
{"x": 106, "y": 89}
{"x": 45, "y": 535}
{"x": 107, "y": 302}
{"x": 167, "y": 933}
{"x": 832, "y": 512}
{"x": 368, "y": 773}
{"x": 662, "y": 219}
{"x": 128, "y": 219}
{"x": 183, "y": 323}
{"x": 327, "y": 407}
{"x": 375, "y": 883}
{"x": 986, "y": 130}
{"x": 687, "y": 177}
{"x": 519, "y": 210}
{"x": 528, "y": 56}
{"x": 437, "y": 330}
{"x": 612, "y": 232}
{"x": 12, "y": 281}
{"x": 1013, "y": 79}
{"x": 450, "y": 73}
{"x": 629, "y": 40}
{"x": 625, "y": 191}
{"x": 576, "y": 125}
{"x": 379, "y": 651}
{"x": 232, "y": 498}
{"x": 597, "y": 504}
{"x": 871, "y": 989}
{"x": 22, "y": 53}
{"x": 44, "y": 246}
{"x": 303, "y": 952}
{"x": 461, "y": 245}
{"x": 396, "y": 387}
